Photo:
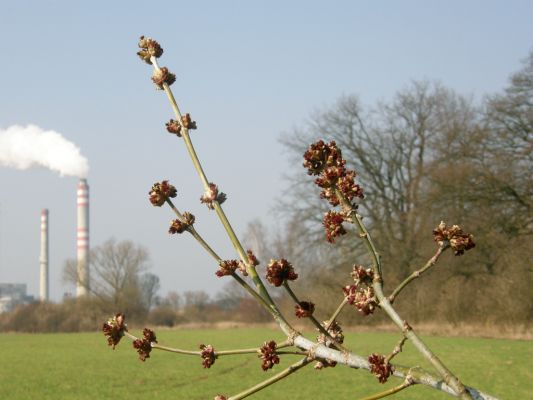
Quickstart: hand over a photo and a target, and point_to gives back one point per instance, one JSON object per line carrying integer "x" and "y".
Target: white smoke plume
{"x": 24, "y": 147}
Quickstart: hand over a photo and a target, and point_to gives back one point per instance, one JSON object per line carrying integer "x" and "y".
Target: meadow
{"x": 82, "y": 366}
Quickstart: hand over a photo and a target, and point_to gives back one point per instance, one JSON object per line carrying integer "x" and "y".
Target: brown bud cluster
{"x": 362, "y": 298}
{"x": 211, "y": 195}
{"x": 160, "y": 192}
{"x": 162, "y": 76}
{"x": 268, "y": 355}
{"x": 149, "y": 47}
{"x": 325, "y": 160}
{"x": 278, "y": 271}
{"x": 362, "y": 275}
{"x": 179, "y": 226}
{"x": 144, "y": 345}
{"x": 208, "y": 355}
{"x": 220, "y": 397}
{"x": 252, "y": 258}
{"x": 380, "y": 367}
{"x": 227, "y": 267}
{"x": 114, "y": 329}
{"x": 187, "y": 122}
{"x": 333, "y": 225}
{"x": 335, "y": 332}
{"x": 174, "y": 127}
{"x": 304, "y": 309}
{"x": 458, "y": 240}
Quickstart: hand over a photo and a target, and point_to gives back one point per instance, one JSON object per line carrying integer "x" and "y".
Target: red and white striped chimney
{"x": 43, "y": 258}
{"x": 82, "y": 286}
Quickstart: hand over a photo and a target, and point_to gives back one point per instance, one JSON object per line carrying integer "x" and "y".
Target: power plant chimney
{"x": 82, "y": 286}
{"x": 43, "y": 258}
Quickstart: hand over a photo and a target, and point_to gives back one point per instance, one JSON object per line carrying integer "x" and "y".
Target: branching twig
{"x": 408, "y": 382}
{"x": 316, "y": 323}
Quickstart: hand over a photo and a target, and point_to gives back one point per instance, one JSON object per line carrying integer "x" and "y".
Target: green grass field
{"x": 82, "y": 366}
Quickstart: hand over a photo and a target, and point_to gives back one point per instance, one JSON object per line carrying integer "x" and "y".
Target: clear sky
{"x": 247, "y": 71}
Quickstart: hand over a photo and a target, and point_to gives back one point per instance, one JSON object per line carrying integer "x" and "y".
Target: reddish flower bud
{"x": 160, "y": 192}
{"x": 458, "y": 240}
{"x": 278, "y": 271}
{"x": 143, "y": 347}
{"x": 149, "y": 335}
{"x": 304, "y": 309}
{"x": 252, "y": 258}
{"x": 380, "y": 367}
{"x": 208, "y": 355}
{"x": 187, "y": 122}
{"x": 149, "y": 47}
{"x": 174, "y": 127}
{"x": 362, "y": 275}
{"x": 361, "y": 298}
{"x": 227, "y": 267}
{"x": 114, "y": 329}
{"x": 179, "y": 226}
{"x": 320, "y": 155}
{"x": 333, "y": 224}
{"x": 220, "y": 397}
{"x": 268, "y": 355}
{"x": 162, "y": 76}
{"x": 211, "y": 195}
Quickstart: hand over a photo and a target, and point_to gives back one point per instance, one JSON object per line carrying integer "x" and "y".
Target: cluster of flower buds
{"x": 325, "y": 160}
{"x": 144, "y": 345}
{"x": 335, "y": 332}
{"x": 362, "y": 298}
{"x": 114, "y": 329}
{"x": 279, "y": 271}
{"x": 362, "y": 275}
{"x": 458, "y": 240}
{"x": 304, "y": 309}
{"x": 333, "y": 225}
{"x": 208, "y": 355}
{"x": 161, "y": 76}
{"x": 149, "y": 48}
{"x": 227, "y": 267}
{"x": 268, "y": 355}
{"x": 174, "y": 127}
{"x": 380, "y": 367}
{"x": 220, "y": 397}
{"x": 361, "y": 294}
{"x": 180, "y": 226}
{"x": 211, "y": 195}
{"x": 187, "y": 122}
{"x": 161, "y": 191}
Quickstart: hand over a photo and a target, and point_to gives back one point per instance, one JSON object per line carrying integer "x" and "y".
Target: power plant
{"x": 82, "y": 285}
{"x": 82, "y": 242}
{"x": 44, "y": 287}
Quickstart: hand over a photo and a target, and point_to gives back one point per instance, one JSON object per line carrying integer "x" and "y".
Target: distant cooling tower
{"x": 43, "y": 258}
{"x": 82, "y": 287}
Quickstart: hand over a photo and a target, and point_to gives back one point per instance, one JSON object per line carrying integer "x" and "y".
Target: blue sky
{"x": 247, "y": 71}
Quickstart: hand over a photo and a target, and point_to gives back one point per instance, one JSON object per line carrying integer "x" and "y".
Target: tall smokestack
{"x": 43, "y": 258}
{"x": 82, "y": 287}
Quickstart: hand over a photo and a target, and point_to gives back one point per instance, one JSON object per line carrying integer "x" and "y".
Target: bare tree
{"x": 394, "y": 148}
{"x": 116, "y": 276}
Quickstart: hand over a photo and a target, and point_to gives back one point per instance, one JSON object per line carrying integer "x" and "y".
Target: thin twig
{"x": 405, "y": 384}
{"x": 286, "y": 372}
{"x": 336, "y": 313}
{"x": 431, "y": 262}
{"x": 398, "y": 348}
